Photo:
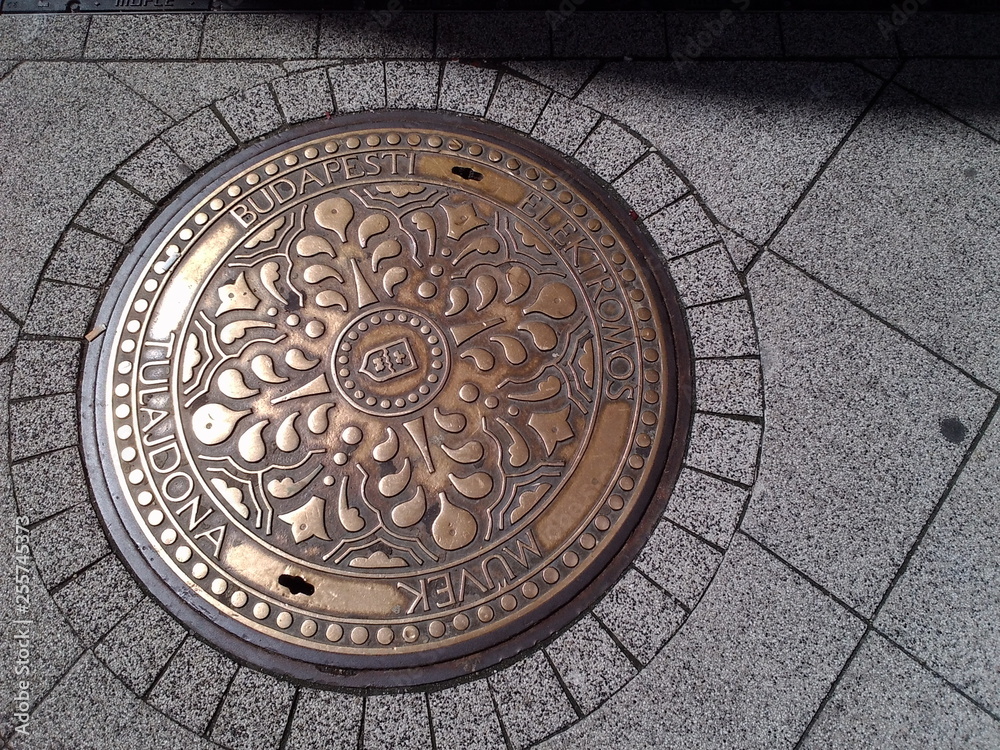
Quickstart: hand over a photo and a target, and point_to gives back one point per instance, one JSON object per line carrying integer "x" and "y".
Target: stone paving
{"x": 824, "y": 192}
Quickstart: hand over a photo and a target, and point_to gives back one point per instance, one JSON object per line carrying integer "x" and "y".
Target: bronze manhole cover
{"x": 386, "y": 402}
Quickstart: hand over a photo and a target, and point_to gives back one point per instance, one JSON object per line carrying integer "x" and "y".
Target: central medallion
{"x": 391, "y": 361}
{"x": 386, "y": 397}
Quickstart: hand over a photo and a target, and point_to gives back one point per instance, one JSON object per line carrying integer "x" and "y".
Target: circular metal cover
{"x": 386, "y": 402}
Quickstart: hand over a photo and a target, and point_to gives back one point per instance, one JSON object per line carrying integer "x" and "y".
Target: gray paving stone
{"x": 679, "y": 562}
{"x": 49, "y": 483}
{"x": 254, "y": 713}
{"x": 641, "y": 616}
{"x": 396, "y": 722}
{"x": 190, "y": 688}
{"x": 747, "y": 671}
{"x": 836, "y": 34}
{"x": 49, "y": 106}
{"x": 854, "y": 457}
{"x": 114, "y": 212}
{"x": 155, "y": 171}
{"x": 121, "y": 36}
{"x": 304, "y": 96}
{"x": 358, "y": 86}
{"x": 67, "y": 543}
{"x": 590, "y": 663}
{"x": 42, "y": 36}
{"x": 722, "y": 329}
{"x": 530, "y": 700}
{"x": 45, "y": 367}
{"x": 705, "y": 276}
{"x": 953, "y": 34}
{"x": 649, "y": 185}
{"x": 199, "y": 139}
{"x": 6, "y": 66}
{"x": 258, "y": 35}
{"x": 564, "y": 76}
{"x": 480, "y": 35}
{"x": 968, "y": 89}
{"x": 564, "y": 124}
{"x": 466, "y": 88}
{"x": 887, "y": 700}
{"x": 610, "y": 150}
{"x": 594, "y": 34}
{"x": 749, "y": 135}
{"x": 741, "y": 250}
{"x": 724, "y": 447}
{"x": 929, "y": 267}
{"x": 61, "y": 310}
{"x": 377, "y": 33}
{"x": 93, "y": 711}
{"x": 727, "y": 33}
{"x": 682, "y": 227}
{"x": 707, "y": 506}
{"x": 325, "y": 719}
{"x": 729, "y": 386}
{"x": 140, "y": 645}
{"x": 9, "y": 330}
{"x": 464, "y": 717}
{"x": 945, "y": 609}
{"x": 517, "y": 103}
{"x": 180, "y": 89}
{"x": 96, "y": 599}
{"x": 83, "y": 258}
{"x": 41, "y": 425}
{"x": 251, "y": 113}
{"x": 412, "y": 85}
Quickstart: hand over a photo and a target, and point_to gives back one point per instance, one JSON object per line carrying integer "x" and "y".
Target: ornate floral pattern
{"x": 384, "y": 377}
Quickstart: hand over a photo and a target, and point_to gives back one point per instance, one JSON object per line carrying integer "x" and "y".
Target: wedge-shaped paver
{"x": 194, "y": 682}
{"x": 466, "y": 88}
{"x": 591, "y": 664}
{"x": 255, "y": 712}
{"x": 358, "y": 86}
{"x": 531, "y": 701}
{"x": 325, "y": 719}
{"x": 464, "y": 717}
{"x": 706, "y": 505}
{"x": 564, "y": 76}
{"x": 140, "y": 645}
{"x": 397, "y": 722}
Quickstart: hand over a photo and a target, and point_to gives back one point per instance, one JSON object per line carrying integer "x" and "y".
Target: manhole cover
{"x": 386, "y": 402}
